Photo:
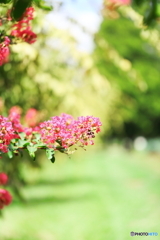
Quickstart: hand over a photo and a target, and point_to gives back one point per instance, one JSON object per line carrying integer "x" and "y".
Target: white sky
{"x": 86, "y": 13}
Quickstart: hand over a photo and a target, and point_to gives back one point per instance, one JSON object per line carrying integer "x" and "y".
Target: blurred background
{"x": 89, "y": 59}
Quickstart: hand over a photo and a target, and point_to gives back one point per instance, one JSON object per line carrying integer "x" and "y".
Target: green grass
{"x": 95, "y": 196}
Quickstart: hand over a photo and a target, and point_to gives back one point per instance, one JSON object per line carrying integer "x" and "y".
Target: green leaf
{"x": 25, "y": 143}
{"x": 19, "y": 7}
{"x": 10, "y": 154}
{"x": 13, "y": 141}
{"x": 50, "y": 154}
{"x": 32, "y": 155}
{"x": 37, "y": 137}
{"x": 22, "y": 135}
{"x": 11, "y": 147}
{"x": 150, "y": 14}
{"x": 5, "y": 1}
{"x": 32, "y": 150}
{"x": 22, "y": 143}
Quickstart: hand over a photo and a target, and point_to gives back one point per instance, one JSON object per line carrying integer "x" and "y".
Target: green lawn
{"x": 93, "y": 196}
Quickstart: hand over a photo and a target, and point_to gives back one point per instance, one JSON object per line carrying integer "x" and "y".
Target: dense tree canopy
{"x": 128, "y": 56}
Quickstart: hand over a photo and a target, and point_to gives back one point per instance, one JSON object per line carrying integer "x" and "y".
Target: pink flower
{"x": 4, "y": 51}
{"x": 26, "y": 35}
{"x": 5, "y": 198}
{"x": 22, "y": 29}
{"x": 14, "y": 117}
{"x": 119, "y": 2}
{"x": 31, "y": 117}
{"x": 3, "y": 178}
{"x": 28, "y": 131}
{"x": 7, "y": 133}
{"x": 29, "y": 14}
{"x": 15, "y": 109}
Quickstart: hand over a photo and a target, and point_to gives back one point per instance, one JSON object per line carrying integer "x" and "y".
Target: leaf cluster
{"x": 17, "y": 146}
{"x": 18, "y": 7}
{"x": 150, "y": 9}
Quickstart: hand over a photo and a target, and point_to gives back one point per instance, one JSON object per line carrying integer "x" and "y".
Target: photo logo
{"x": 143, "y": 233}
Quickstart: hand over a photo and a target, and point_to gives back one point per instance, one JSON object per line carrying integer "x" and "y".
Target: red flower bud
{"x": 3, "y": 178}
{"x": 5, "y": 198}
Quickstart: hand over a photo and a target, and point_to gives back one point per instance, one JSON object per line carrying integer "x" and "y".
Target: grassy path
{"x": 95, "y": 196}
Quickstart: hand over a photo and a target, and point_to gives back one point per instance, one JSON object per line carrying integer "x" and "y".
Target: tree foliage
{"x": 128, "y": 56}
{"x": 148, "y": 9}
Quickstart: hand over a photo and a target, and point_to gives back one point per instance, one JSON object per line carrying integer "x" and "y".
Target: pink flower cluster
{"x": 61, "y": 132}
{"x": 30, "y": 119}
{"x": 4, "y": 50}
{"x": 122, "y": 2}
{"x": 5, "y": 197}
{"x": 65, "y": 131}
{"x": 7, "y": 133}
{"x": 22, "y": 29}
{"x": 14, "y": 117}
{"x": 119, "y": 2}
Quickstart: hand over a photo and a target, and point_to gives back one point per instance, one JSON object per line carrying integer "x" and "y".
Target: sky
{"x": 86, "y": 13}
